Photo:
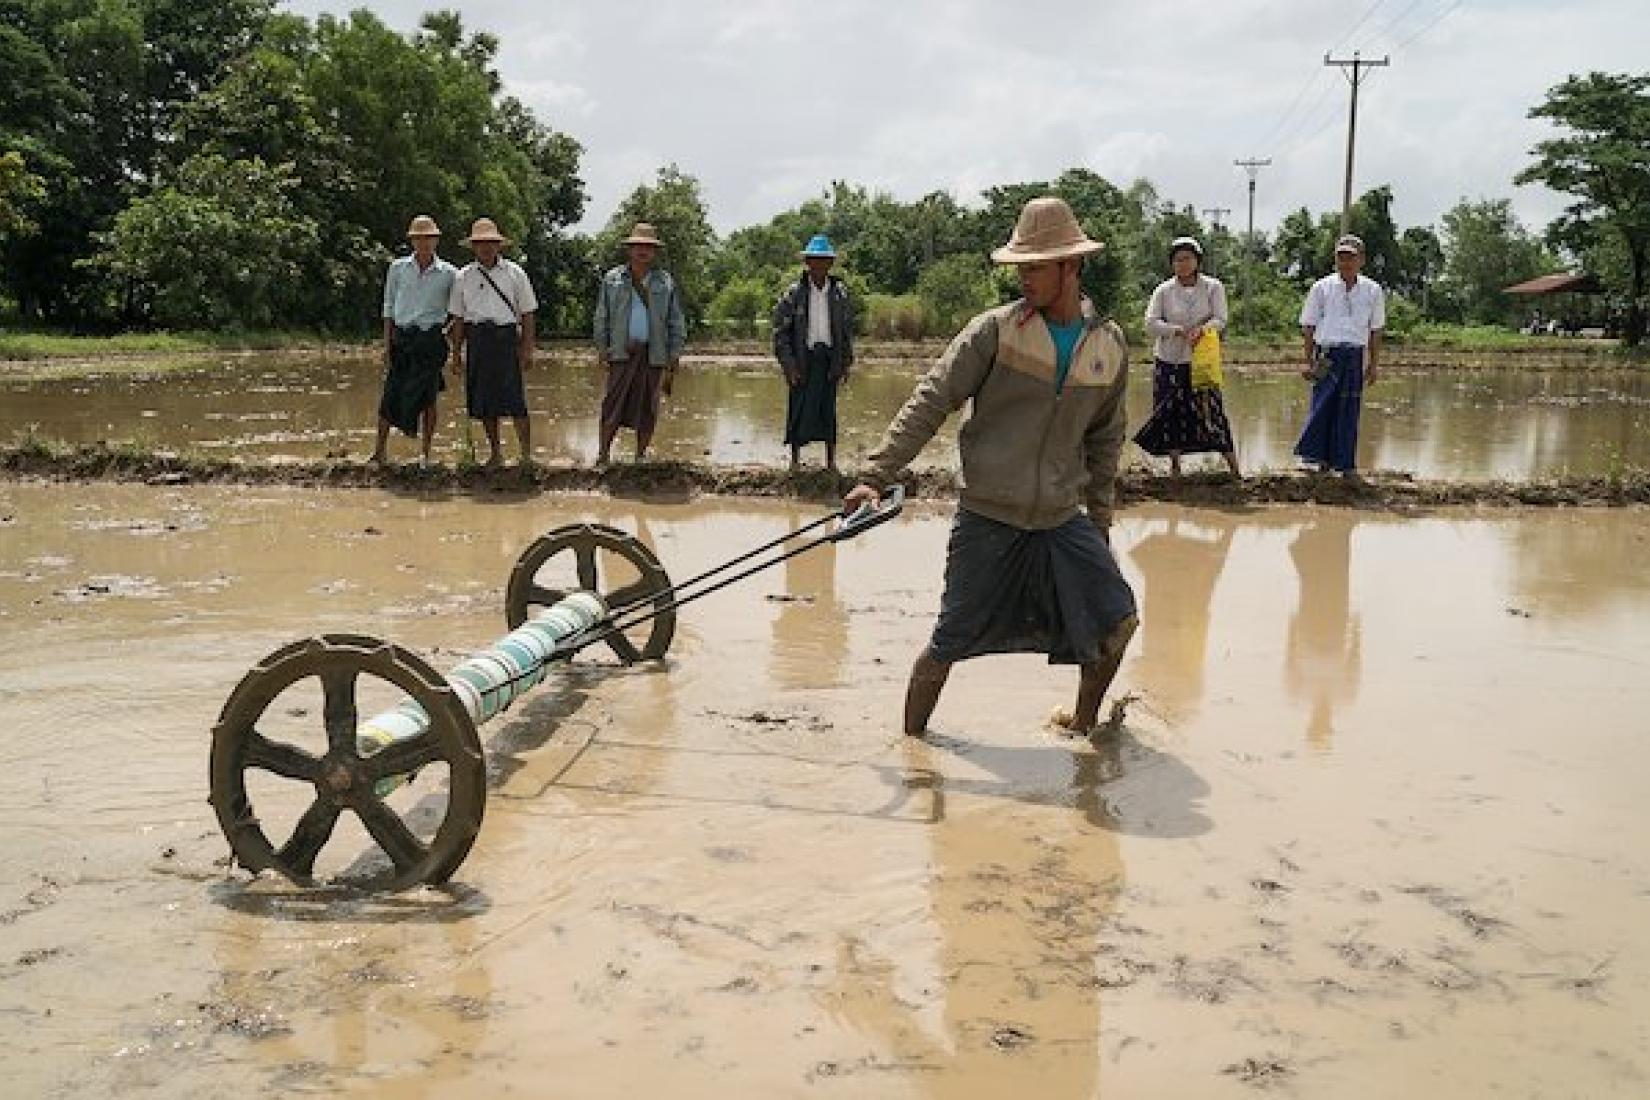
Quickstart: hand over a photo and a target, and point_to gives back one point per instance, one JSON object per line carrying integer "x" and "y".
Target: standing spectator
{"x": 493, "y": 307}
{"x": 1029, "y": 567}
{"x": 813, "y": 339}
{"x": 639, "y": 333}
{"x": 1185, "y": 420}
{"x": 416, "y": 289}
{"x": 1341, "y": 323}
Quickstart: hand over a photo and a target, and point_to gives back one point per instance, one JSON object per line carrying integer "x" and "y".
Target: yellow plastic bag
{"x": 1206, "y": 374}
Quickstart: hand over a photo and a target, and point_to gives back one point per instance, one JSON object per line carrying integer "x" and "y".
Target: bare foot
{"x": 1065, "y": 721}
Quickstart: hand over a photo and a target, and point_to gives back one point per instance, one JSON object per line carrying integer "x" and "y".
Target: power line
{"x": 1367, "y": 13}
{"x": 1439, "y": 18}
{"x": 1393, "y": 23}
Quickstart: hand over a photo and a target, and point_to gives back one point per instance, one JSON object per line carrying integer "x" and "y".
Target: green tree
{"x": 954, "y": 289}
{"x": 92, "y": 89}
{"x": 743, "y": 307}
{"x": 672, "y": 204}
{"x": 1486, "y": 250}
{"x": 19, "y": 189}
{"x": 1602, "y": 157}
{"x": 221, "y": 247}
{"x": 1422, "y": 263}
{"x": 377, "y": 127}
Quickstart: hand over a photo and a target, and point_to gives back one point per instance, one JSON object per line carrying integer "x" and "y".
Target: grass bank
{"x": 29, "y": 345}
{"x": 42, "y": 460}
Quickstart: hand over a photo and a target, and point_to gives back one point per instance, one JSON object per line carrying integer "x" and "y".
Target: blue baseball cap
{"x": 820, "y": 246}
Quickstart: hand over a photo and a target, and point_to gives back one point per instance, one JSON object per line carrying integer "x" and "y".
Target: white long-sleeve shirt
{"x": 1342, "y": 314}
{"x": 1176, "y": 306}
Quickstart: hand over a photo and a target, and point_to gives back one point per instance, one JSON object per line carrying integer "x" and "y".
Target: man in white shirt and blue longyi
{"x": 1341, "y": 323}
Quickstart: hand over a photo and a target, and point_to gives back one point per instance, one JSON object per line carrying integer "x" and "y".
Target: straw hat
{"x": 819, "y": 247}
{"x": 1047, "y": 230}
{"x": 484, "y": 229}
{"x": 644, "y": 233}
{"x": 423, "y": 226}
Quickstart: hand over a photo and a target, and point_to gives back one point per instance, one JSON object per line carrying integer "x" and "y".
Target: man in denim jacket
{"x": 639, "y": 333}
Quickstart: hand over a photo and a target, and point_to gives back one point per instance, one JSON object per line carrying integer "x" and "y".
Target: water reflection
{"x": 1323, "y": 661}
{"x": 1179, "y": 562}
{"x": 1018, "y": 894}
{"x": 810, "y": 629}
{"x": 1443, "y": 423}
{"x": 265, "y": 1010}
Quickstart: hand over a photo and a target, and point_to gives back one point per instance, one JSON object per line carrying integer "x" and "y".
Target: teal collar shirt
{"x": 418, "y": 298}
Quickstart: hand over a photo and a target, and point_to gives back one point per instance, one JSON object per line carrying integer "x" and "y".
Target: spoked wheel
{"x": 342, "y": 777}
{"x": 595, "y": 558}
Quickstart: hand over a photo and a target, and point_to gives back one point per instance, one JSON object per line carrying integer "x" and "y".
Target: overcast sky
{"x": 766, "y": 103}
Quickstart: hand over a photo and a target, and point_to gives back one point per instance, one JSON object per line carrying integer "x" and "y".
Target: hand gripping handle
{"x": 868, "y": 515}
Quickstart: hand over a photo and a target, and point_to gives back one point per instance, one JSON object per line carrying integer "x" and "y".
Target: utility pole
{"x": 1252, "y": 165}
{"x": 1215, "y": 214}
{"x": 1356, "y": 64}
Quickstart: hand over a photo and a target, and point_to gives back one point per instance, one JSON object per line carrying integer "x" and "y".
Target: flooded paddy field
{"x": 1370, "y": 822}
{"x": 1436, "y": 415}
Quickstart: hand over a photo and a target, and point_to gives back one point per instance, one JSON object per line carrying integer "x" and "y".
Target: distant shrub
{"x": 895, "y": 317}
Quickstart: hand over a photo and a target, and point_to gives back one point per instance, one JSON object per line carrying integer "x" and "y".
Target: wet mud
{"x": 1387, "y": 490}
{"x": 1368, "y": 815}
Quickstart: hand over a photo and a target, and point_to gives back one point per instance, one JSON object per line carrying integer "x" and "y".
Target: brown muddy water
{"x": 1435, "y": 419}
{"x": 1372, "y": 823}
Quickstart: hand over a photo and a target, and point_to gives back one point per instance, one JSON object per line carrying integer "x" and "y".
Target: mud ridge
{"x": 1380, "y": 490}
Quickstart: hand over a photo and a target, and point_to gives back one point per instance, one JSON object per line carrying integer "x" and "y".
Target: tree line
{"x": 210, "y": 166}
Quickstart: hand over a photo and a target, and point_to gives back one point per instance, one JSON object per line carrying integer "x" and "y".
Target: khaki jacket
{"x": 1030, "y": 457}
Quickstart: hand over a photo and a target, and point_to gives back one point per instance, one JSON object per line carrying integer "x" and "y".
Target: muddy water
{"x": 1374, "y": 818}
{"x": 1437, "y": 422}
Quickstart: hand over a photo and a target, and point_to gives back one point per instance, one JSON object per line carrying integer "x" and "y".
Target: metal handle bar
{"x": 862, "y": 519}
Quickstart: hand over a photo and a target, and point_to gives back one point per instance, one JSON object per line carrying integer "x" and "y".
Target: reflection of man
{"x": 810, "y": 629}
{"x": 1341, "y": 323}
{"x": 416, "y": 289}
{"x": 494, "y": 305}
{"x": 813, "y": 339}
{"x": 1325, "y": 652}
{"x": 639, "y": 332}
{"x": 1179, "y": 567}
{"x": 1026, "y": 570}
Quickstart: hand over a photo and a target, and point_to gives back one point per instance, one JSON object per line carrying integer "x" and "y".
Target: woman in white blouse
{"x": 1184, "y": 420}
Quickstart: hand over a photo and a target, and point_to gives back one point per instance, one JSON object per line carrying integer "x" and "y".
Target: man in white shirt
{"x": 493, "y": 306}
{"x": 1341, "y": 323}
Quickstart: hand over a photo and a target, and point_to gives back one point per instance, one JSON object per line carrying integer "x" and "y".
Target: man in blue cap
{"x": 813, "y": 339}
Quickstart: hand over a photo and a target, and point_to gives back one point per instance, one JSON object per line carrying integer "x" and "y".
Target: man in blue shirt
{"x": 416, "y": 289}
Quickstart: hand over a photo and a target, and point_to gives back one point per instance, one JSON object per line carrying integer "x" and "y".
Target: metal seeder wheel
{"x": 344, "y": 778}
{"x": 587, "y": 543}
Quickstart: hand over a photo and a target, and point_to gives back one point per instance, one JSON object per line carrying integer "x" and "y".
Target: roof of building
{"x": 1561, "y": 283}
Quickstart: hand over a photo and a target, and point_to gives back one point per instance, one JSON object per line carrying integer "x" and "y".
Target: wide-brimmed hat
{"x": 484, "y": 229}
{"x": 644, "y": 233}
{"x": 819, "y": 247}
{"x": 1350, "y": 242}
{"x": 1047, "y": 230}
{"x": 423, "y": 226}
